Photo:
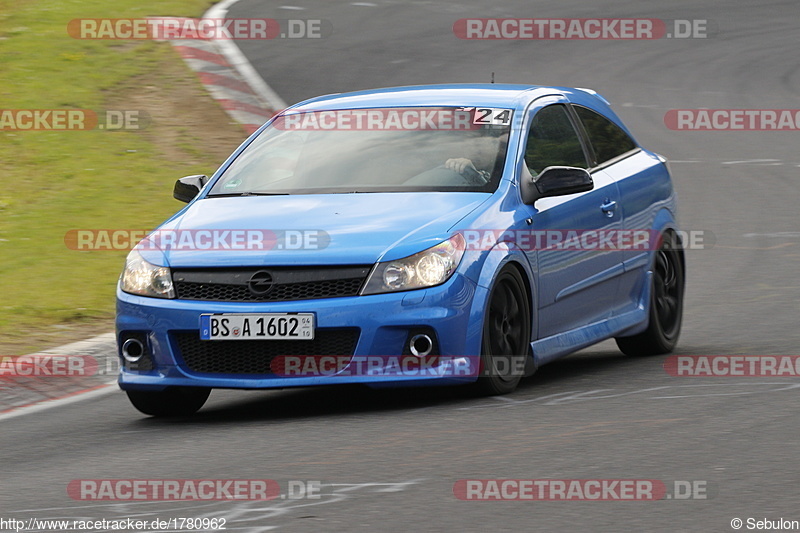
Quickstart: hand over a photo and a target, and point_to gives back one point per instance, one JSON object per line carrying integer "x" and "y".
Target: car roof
{"x": 515, "y": 96}
{"x": 500, "y": 95}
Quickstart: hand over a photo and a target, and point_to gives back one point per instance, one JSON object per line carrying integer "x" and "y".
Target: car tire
{"x": 666, "y": 303}
{"x": 506, "y": 335}
{"x": 174, "y": 401}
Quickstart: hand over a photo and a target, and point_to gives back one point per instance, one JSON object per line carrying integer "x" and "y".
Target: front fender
{"x": 500, "y": 255}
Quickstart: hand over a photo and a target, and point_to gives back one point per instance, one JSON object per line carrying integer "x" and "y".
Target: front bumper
{"x": 383, "y": 320}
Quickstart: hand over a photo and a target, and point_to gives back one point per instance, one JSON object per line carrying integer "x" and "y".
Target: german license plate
{"x": 265, "y": 326}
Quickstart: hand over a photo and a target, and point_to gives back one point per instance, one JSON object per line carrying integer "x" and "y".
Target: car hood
{"x": 359, "y": 228}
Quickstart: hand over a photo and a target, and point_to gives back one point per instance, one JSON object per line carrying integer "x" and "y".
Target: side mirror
{"x": 187, "y": 188}
{"x": 554, "y": 181}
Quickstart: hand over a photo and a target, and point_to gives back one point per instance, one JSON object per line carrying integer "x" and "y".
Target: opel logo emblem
{"x": 260, "y": 283}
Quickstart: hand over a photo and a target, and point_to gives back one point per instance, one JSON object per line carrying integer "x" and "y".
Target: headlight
{"x": 145, "y": 279}
{"x": 428, "y": 268}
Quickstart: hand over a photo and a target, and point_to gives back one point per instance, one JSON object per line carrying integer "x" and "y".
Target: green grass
{"x": 55, "y": 181}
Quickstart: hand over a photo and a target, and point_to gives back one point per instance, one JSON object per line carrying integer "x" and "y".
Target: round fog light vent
{"x": 420, "y": 345}
{"x": 132, "y": 350}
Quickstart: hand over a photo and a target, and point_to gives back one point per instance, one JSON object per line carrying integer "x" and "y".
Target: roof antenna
{"x": 492, "y": 77}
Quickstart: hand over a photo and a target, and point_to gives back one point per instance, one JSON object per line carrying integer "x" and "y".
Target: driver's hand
{"x": 459, "y": 164}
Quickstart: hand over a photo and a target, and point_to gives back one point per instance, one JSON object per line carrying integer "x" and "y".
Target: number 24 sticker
{"x": 491, "y": 115}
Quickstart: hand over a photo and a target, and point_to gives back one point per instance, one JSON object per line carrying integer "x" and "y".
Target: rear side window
{"x": 553, "y": 141}
{"x": 608, "y": 140}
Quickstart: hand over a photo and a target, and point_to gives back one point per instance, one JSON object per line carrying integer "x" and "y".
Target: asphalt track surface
{"x": 388, "y": 460}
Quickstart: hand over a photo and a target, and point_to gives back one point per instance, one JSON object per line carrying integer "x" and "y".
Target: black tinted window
{"x": 553, "y": 141}
{"x": 608, "y": 140}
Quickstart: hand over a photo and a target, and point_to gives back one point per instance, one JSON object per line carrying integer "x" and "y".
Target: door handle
{"x": 608, "y": 207}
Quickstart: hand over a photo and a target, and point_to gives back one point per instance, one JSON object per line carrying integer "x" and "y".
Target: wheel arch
{"x": 665, "y": 221}
{"x": 498, "y": 258}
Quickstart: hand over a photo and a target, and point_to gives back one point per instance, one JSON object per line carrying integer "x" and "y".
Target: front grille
{"x": 285, "y": 283}
{"x": 255, "y": 356}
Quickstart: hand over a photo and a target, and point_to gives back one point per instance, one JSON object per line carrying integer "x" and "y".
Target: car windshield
{"x": 373, "y": 150}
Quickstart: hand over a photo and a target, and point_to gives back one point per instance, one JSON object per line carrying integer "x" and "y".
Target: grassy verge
{"x": 57, "y": 181}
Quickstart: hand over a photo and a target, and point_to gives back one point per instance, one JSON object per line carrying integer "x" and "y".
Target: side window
{"x": 608, "y": 140}
{"x": 553, "y": 141}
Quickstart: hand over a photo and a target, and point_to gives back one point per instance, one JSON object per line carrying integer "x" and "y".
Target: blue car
{"x": 429, "y": 235}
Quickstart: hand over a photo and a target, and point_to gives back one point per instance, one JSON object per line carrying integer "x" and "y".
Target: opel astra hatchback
{"x": 432, "y": 235}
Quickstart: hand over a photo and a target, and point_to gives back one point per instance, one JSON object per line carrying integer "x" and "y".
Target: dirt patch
{"x": 185, "y": 123}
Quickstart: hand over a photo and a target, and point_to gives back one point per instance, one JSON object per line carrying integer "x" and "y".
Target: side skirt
{"x": 556, "y": 346}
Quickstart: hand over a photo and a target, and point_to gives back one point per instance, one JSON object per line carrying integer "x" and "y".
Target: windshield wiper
{"x": 248, "y": 193}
